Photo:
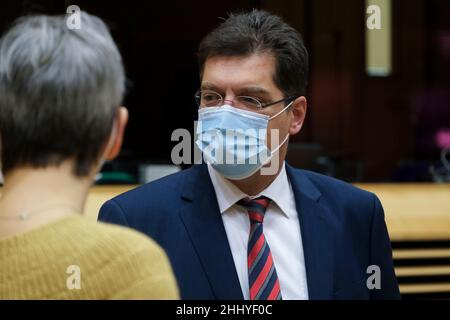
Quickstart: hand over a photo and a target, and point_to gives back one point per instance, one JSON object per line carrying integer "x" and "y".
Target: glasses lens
{"x": 209, "y": 99}
{"x": 249, "y": 103}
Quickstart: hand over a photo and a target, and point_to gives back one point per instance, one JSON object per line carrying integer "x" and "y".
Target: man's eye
{"x": 250, "y": 101}
{"x": 210, "y": 97}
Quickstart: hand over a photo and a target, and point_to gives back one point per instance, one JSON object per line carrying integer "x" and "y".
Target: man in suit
{"x": 243, "y": 231}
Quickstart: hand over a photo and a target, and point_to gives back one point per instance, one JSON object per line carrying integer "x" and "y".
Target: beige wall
{"x": 413, "y": 211}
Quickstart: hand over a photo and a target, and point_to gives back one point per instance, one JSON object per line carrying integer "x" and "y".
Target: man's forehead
{"x": 253, "y": 74}
{"x": 261, "y": 60}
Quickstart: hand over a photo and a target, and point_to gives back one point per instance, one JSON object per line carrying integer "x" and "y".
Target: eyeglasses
{"x": 210, "y": 98}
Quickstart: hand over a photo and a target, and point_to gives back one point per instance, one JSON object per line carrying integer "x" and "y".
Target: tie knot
{"x": 256, "y": 208}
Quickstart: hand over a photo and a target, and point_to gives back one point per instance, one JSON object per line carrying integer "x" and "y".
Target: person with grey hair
{"x": 60, "y": 118}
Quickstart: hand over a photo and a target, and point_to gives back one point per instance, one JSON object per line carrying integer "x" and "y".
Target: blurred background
{"x": 379, "y": 100}
{"x": 379, "y": 105}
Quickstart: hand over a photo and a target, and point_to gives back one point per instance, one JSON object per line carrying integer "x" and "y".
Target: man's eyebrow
{"x": 244, "y": 90}
{"x": 254, "y": 90}
{"x": 208, "y": 86}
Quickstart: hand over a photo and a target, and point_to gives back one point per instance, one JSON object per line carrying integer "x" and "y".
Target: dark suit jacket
{"x": 342, "y": 227}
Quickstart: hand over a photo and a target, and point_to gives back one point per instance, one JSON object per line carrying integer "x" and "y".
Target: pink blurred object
{"x": 443, "y": 138}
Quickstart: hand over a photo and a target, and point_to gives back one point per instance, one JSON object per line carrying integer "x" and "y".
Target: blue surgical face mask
{"x": 233, "y": 141}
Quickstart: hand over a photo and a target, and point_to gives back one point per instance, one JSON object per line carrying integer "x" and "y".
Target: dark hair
{"x": 60, "y": 90}
{"x": 258, "y": 32}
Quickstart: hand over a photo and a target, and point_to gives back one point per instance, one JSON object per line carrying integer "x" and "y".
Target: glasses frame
{"x": 261, "y": 105}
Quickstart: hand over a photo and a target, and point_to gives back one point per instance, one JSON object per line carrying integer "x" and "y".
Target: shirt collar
{"x": 228, "y": 194}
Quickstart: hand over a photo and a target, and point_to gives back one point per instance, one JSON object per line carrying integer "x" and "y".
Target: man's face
{"x": 250, "y": 76}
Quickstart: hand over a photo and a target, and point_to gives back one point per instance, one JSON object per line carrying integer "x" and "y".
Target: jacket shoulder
{"x": 163, "y": 187}
{"x": 158, "y": 198}
{"x": 329, "y": 186}
{"x": 345, "y": 201}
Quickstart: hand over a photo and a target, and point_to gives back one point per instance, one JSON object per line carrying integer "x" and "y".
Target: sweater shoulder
{"x": 121, "y": 240}
{"x": 108, "y": 259}
{"x": 141, "y": 263}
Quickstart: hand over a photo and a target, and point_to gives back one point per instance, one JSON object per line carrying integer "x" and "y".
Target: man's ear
{"x": 298, "y": 110}
{"x": 116, "y": 137}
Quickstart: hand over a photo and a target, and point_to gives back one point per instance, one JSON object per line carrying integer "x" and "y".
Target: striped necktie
{"x": 262, "y": 275}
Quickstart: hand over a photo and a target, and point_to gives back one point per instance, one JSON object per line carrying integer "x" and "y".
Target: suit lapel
{"x": 317, "y": 235}
{"x": 203, "y": 222}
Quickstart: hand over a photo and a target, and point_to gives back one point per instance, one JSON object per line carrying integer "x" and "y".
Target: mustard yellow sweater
{"x": 78, "y": 259}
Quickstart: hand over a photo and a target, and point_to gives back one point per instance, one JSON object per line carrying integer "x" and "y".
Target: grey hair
{"x": 60, "y": 90}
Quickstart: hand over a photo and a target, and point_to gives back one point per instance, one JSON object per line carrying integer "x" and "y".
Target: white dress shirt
{"x": 281, "y": 229}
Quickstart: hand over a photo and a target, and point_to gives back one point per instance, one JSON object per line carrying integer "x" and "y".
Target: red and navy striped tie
{"x": 262, "y": 275}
